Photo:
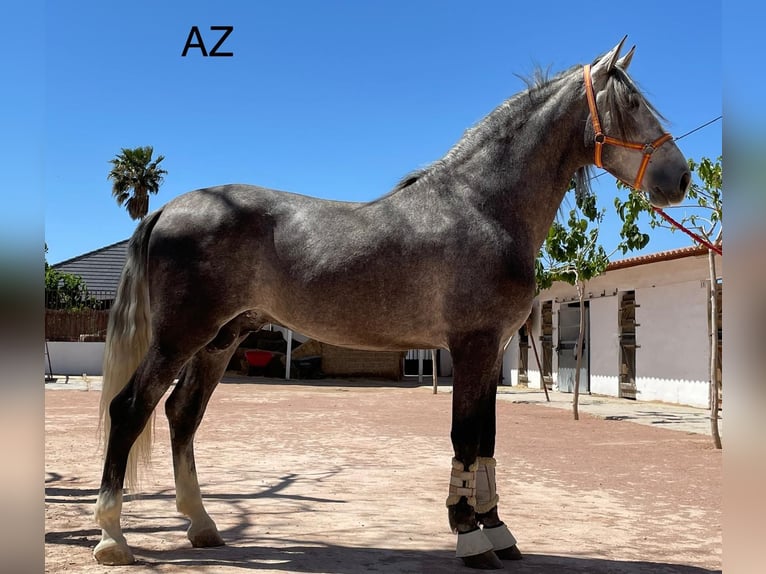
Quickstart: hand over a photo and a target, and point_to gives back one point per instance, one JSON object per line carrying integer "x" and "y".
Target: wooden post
{"x": 434, "y": 369}
{"x": 537, "y": 358}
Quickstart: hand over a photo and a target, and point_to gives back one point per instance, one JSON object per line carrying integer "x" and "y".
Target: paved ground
{"x": 668, "y": 416}
{"x": 349, "y": 476}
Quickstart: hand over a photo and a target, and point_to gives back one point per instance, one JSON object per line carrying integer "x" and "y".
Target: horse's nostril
{"x": 686, "y": 179}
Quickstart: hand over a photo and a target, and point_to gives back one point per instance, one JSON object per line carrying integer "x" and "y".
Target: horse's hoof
{"x": 206, "y": 538}
{"x": 485, "y": 561}
{"x": 113, "y": 553}
{"x": 510, "y": 553}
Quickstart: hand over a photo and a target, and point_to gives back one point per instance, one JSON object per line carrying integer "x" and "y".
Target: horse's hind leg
{"x": 129, "y": 411}
{"x": 185, "y": 408}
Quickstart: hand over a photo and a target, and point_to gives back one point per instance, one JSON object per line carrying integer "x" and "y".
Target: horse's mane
{"x": 621, "y": 97}
{"x": 410, "y": 178}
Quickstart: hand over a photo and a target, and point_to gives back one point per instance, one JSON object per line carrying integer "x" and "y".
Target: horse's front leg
{"x": 476, "y": 367}
{"x": 503, "y": 542}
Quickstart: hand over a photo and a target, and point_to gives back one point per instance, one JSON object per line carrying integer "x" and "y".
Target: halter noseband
{"x": 600, "y": 139}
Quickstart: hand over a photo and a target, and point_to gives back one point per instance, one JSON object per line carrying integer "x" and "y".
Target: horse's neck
{"x": 527, "y": 163}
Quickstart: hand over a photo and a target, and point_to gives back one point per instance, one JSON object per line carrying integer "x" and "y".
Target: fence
{"x": 86, "y": 322}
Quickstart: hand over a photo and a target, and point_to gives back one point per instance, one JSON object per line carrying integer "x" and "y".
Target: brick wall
{"x": 343, "y": 362}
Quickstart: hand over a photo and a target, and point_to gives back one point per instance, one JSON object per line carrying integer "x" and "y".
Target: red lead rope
{"x": 691, "y": 234}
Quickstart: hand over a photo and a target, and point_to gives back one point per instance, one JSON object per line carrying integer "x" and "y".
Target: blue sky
{"x": 332, "y": 99}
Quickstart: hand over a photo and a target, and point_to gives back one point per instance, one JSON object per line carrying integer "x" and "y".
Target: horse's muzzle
{"x": 672, "y": 192}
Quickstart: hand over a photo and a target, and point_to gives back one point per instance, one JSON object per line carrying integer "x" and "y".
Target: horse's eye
{"x": 634, "y": 101}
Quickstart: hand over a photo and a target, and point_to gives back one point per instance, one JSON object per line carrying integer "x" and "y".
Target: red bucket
{"x": 258, "y": 358}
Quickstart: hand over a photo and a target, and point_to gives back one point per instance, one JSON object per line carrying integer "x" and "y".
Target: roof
{"x": 99, "y": 269}
{"x": 690, "y": 251}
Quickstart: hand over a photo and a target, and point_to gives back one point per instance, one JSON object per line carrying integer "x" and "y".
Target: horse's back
{"x": 375, "y": 275}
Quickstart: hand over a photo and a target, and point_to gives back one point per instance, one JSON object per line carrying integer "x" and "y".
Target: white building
{"x": 646, "y": 332}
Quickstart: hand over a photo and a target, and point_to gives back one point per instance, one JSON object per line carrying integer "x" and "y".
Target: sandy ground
{"x": 350, "y": 477}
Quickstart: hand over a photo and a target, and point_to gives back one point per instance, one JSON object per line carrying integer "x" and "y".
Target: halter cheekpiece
{"x": 600, "y": 138}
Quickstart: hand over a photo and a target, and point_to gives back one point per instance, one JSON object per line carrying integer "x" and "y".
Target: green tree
{"x": 572, "y": 253}
{"x": 65, "y": 290}
{"x": 134, "y": 176}
{"x": 703, "y": 215}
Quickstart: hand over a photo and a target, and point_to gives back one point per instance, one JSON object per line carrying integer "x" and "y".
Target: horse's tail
{"x": 127, "y": 341}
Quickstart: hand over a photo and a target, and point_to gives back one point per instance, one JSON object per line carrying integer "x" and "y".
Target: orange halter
{"x": 601, "y": 139}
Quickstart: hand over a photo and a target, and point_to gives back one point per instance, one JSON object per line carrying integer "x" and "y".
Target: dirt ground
{"x": 351, "y": 477}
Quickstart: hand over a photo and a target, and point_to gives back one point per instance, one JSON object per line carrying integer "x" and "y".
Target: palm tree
{"x": 133, "y": 169}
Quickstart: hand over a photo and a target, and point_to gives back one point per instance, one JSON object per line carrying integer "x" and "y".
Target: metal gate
{"x": 569, "y": 328}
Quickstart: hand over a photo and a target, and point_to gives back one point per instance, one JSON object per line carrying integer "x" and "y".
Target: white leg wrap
{"x": 472, "y": 543}
{"x": 486, "y": 485}
{"x": 462, "y": 483}
{"x": 500, "y": 536}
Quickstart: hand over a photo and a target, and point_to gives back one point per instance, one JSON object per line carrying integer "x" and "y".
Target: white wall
{"x": 74, "y": 358}
{"x": 445, "y": 363}
{"x": 534, "y": 379}
{"x": 511, "y": 362}
{"x": 604, "y": 346}
{"x": 672, "y": 357}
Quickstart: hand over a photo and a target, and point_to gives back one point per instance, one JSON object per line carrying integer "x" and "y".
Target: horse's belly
{"x": 416, "y": 321}
{"x": 350, "y": 321}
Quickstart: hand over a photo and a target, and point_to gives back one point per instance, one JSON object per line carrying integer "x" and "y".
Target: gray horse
{"x": 445, "y": 260}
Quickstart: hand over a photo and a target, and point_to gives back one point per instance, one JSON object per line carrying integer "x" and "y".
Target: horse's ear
{"x": 612, "y": 57}
{"x": 607, "y": 62}
{"x": 624, "y": 62}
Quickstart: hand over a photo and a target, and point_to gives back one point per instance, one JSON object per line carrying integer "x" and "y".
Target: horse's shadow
{"x": 336, "y": 559}
{"x": 74, "y": 494}
{"x": 297, "y": 556}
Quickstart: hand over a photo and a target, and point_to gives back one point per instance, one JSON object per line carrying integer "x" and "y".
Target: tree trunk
{"x": 713, "y": 322}
{"x": 578, "y": 362}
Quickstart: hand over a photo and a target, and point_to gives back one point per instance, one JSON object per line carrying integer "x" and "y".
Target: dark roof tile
{"x": 99, "y": 269}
